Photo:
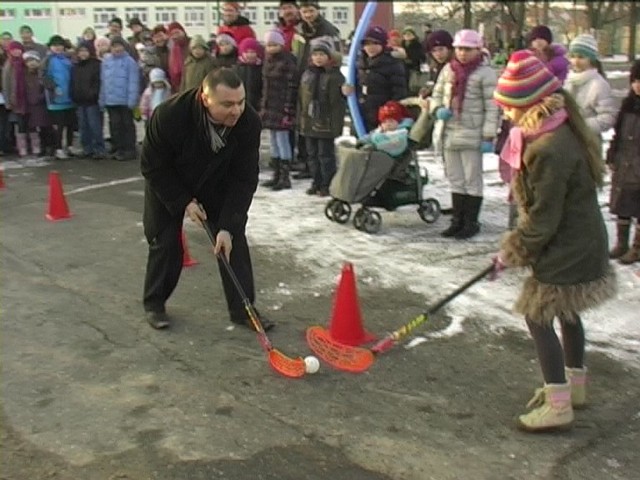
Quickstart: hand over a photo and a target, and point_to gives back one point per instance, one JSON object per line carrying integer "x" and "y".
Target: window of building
{"x": 37, "y": 12}
{"x": 340, "y": 15}
{"x": 215, "y": 16}
{"x": 102, "y": 16}
{"x": 7, "y": 13}
{"x": 194, "y": 17}
{"x": 270, "y": 15}
{"x": 72, "y": 12}
{"x": 166, "y": 14}
{"x": 140, "y": 12}
{"x": 251, "y": 13}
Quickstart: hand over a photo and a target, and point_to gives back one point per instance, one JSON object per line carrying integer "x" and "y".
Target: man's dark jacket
{"x": 179, "y": 165}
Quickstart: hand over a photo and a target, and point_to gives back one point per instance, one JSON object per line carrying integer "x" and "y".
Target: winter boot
{"x": 551, "y": 409}
{"x": 21, "y": 144}
{"x": 577, "y": 378}
{"x": 513, "y": 216}
{"x": 623, "y": 225}
{"x": 34, "y": 138}
{"x": 458, "y": 202}
{"x": 633, "y": 255}
{"x": 284, "y": 182}
{"x": 470, "y": 225}
{"x": 276, "y": 173}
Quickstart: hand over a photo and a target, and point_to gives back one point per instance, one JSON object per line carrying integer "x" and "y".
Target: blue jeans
{"x": 322, "y": 156}
{"x": 280, "y": 145}
{"x": 90, "y": 122}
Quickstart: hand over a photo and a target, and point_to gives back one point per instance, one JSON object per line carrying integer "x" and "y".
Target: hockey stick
{"x": 358, "y": 359}
{"x": 289, "y": 367}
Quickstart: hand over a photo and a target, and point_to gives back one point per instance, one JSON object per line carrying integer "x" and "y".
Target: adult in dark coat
{"x": 201, "y": 148}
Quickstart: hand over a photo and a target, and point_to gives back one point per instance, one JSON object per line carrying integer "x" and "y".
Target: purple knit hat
{"x": 274, "y": 36}
{"x": 439, "y": 38}
{"x": 540, "y": 31}
{"x": 525, "y": 81}
{"x": 376, "y": 34}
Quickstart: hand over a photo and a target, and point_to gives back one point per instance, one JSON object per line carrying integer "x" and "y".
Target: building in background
{"x": 69, "y": 19}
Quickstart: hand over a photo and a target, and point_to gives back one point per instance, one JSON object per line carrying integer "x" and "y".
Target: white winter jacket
{"x": 479, "y": 116}
{"x": 593, "y": 95}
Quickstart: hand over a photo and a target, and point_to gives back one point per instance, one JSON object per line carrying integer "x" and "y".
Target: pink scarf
{"x": 176, "y": 62}
{"x": 513, "y": 148}
{"x": 20, "y": 84}
{"x": 461, "y": 72}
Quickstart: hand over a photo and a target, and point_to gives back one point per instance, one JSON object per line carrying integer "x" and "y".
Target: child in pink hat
{"x": 467, "y": 121}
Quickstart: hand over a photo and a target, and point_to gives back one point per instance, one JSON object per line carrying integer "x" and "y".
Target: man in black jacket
{"x": 200, "y": 156}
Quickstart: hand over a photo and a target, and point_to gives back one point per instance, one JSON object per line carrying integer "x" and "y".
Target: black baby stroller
{"x": 376, "y": 179}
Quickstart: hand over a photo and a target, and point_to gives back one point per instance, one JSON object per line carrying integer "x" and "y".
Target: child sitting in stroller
{"x": 392, "y": 134}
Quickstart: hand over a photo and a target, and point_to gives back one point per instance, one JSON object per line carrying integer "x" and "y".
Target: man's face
{"x": 229, "y": 14}
{"x": 159, "y": 39}
{"x": 136, "y": 29}
{"x": 289, "y": 13}
{"x": 225, "y": 105}
{"x": 115, "y": 28}
{"x": 6, "y": 40}
{"x": 309, "y": 14}
{"x": 26, "y": 35}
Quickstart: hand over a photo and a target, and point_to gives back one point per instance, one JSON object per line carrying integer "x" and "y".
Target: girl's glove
{"x": 444, "y": 113}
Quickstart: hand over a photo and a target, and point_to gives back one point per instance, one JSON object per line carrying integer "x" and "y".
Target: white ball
{"x": 312, "y": 364}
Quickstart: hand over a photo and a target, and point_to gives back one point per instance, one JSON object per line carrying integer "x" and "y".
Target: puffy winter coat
{"x": 251, "y": 76}
{"x": 379, "y": 79}
{"x": 57, "y": 80}
{"x": 593, "y": 94}
{"x": 85, "y": 82}
{"x": 554, "y": 56}
{"x": 322, "y": 116}
{"x": 119, "y": 81}
{"x": 279, "y": 91}
{"x": 479, "y": 116}
{"x": 239, "y": 29}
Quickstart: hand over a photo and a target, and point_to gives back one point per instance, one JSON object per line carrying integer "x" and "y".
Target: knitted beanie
{"x": 585, "y": 45}
{"x": 157, "y": 75}
{"x": 439, "y": 38}
{"x": 175, "y": 26}
{"x": 226, "y": 38}
{"x": 234, "y": 5}
{"x": 540, "y": 31}
{"x": 15, "y": 45}
{"x": 376, "y": 34}
{"x": 101, "y": 43}
{"x": 310, "y": 4}
{"x": 249, "y": 43}
{"x": 274, "y": 36}
{"x": 392, "y": 111}
{"x": 56, "y": 40}
{"x": 322, "y": 44}
{"x": 409, "y": 30}
{"x": 468, "y": 38}
{"x": 118, "y": 41}
{"x": 198, "y": 41}
{"x": 525, "y": 81}
{"x": 31, "y": 55}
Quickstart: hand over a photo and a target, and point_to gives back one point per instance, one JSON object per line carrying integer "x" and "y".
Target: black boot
{"x": 457, "y": 200}
{"x": 470, "y": 225}
{"x": 283, "y": 181}
{"x": 304, "y": 173}
{"x": 276, "y": 174}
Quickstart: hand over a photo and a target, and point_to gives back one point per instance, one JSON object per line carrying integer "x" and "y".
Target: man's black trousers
{"x": 164, "y": 266}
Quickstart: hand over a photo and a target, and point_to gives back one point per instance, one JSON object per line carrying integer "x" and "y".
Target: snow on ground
{"x": 410, "y": 254}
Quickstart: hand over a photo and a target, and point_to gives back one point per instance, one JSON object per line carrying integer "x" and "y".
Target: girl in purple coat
{"x": 552, "y": 54}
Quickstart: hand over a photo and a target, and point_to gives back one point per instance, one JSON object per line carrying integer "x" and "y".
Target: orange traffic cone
{"x": 58, "y": 208}
{"x": 346, "y": 319}
{"x": 2, "y": 179}
{"x": 187, "y": 261}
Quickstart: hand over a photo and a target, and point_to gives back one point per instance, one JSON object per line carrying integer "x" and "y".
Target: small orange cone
{"x": 58, "y": 208}
{"x": 2, "y": 179}
{"x": 187, "y": 261}
{"x": 346, "y": 319}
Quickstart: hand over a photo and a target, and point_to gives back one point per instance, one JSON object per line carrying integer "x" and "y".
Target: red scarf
{"x": 176, "y": 62}
{"x": 462, "y": 72}
{"x": 20, "y": 96}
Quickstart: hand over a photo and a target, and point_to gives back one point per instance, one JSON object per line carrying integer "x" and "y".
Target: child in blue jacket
{"x": 119, "y": 94}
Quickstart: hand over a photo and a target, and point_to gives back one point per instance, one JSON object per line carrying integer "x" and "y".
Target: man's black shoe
{"x": 243, "y": 319}
{"x": 157, "y": 320}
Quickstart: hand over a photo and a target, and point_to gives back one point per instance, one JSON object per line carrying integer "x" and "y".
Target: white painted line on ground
{"x": 105, "y": 185}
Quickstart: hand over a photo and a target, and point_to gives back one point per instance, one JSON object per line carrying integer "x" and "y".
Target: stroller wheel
{"x": 328, "y": 210}
{"x": 429, "y": 210}
{"x": 341, "y": 211}
{"x": 372, "y": 222}
{"x": 359, "y": 217}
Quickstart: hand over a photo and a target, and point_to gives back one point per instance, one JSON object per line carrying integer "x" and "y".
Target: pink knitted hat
{"x": 468, "y": 38}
